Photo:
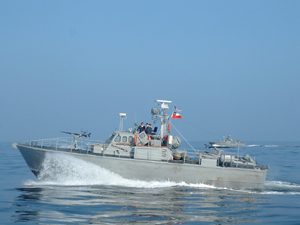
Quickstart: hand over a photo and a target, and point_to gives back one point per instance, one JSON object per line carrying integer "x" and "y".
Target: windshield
{"x": 111, "y": 137}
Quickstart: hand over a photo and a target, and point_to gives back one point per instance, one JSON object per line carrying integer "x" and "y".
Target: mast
{"x": 164, "y": 117}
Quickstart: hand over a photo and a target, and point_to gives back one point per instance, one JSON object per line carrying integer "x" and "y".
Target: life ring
{"x": 135, "y": 138}
{"x": 169, "y": 128}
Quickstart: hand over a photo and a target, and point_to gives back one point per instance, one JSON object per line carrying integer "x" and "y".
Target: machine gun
{"x": 76, "y": 136}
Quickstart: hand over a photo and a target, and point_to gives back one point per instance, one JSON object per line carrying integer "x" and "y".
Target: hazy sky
{"x": 233, "y": 67}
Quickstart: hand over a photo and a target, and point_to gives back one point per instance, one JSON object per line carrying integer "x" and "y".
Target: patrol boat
{"x": 154, "y": 157}
{"x": 227, "y": 143}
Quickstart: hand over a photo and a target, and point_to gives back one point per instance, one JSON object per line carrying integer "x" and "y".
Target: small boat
{"x": 227, "y": 143}
{"x": 148, "y": 157}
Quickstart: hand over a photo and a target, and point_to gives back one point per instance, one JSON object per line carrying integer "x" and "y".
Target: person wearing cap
{"x": 141, "y": 128}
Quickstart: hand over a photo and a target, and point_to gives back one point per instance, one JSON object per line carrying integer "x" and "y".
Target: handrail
{"x": 62, "y": 142}
{"x": 82, "y": 144}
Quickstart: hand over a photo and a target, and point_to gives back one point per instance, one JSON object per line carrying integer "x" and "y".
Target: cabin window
{"x": 118, "y": 138}
{"x": 130, "y": 139}
{"x": 124, "y": 139}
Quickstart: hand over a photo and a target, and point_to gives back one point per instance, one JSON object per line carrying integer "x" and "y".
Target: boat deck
{"x": 84, "y": 147}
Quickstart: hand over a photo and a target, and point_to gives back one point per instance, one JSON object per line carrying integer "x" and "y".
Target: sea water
{"x": 71, "y": 191}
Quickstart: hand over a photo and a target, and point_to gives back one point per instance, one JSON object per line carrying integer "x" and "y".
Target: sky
{"x": 232, "y": 67}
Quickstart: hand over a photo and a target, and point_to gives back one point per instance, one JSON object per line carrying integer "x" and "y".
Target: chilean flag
{"x": 176, "y": 115}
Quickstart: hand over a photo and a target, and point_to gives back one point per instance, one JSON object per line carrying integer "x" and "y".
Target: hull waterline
{"x": 154, "y": 170}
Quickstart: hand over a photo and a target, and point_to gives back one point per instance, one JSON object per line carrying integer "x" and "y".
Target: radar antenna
{"x": 122, "y": 116}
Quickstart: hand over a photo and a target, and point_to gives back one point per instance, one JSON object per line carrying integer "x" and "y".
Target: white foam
{"x": 281, "y": 187}
{"x": 65, "y": 170}
{"x": 267, "y": 146}
{"x": 275, "y": 188}
{"x": 252, "y": 145}
{"x": 282, "y": 184}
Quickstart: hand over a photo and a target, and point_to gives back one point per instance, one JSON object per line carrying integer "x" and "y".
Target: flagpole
{"x": 170, "y": 120}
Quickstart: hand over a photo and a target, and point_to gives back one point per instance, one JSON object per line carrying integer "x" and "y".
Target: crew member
{"x": 141, "y": 128}
{"x": 148, "y": 129}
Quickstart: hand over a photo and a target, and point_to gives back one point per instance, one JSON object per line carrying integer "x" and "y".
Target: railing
{"x": 67, "y": 144}
{"x": 62, "y": 143}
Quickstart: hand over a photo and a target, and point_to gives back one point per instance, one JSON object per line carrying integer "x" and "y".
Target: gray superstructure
{"x": 227, "y": 143}
{"x": 140, "y": 156}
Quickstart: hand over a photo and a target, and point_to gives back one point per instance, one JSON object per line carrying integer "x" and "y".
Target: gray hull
{"x": 226, "y": 144}
{"x": 147, "y": 170}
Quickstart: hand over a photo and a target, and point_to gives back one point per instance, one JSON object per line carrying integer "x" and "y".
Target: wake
{"x": 66, "y": 170}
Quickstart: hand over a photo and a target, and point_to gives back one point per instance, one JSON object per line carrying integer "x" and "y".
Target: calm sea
{"x": 82, "y": 193}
